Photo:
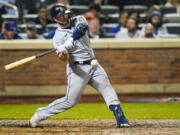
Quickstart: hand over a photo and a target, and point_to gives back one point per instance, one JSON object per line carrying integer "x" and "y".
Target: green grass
{"x": 97, "y": 111}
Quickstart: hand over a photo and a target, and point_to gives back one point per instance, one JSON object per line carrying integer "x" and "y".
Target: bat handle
{"x": 44, "y": 53}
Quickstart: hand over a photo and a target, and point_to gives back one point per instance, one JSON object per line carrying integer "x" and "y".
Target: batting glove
{"x": 67, "y": 45}
{"x": 61, "y": 49}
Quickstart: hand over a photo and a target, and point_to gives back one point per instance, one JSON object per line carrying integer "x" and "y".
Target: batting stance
{"x": 72, "y": 42}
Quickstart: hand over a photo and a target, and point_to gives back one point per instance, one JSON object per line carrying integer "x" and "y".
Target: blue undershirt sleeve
{"x": 79, "y": 31}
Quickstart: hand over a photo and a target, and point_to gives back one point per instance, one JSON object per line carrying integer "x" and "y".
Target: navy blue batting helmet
{"x": 58, "y": 10}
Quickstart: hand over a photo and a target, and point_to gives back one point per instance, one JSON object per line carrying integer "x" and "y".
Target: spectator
{"x": 31, "y": 32}
{"x": 152, "y": 9}
{"x": 95, "y": 10}
{"x": 6, "y": 9}
{"x": 174, "y": 3}
{"x": 99, "y": 2}
{"x": 95, "y": 31}
{"x": 131, "y": 31}
{"x": 2, "y": 9}
{"x": 42, "y": 18}
{"x": 3, "y": 26}
{"x": 9, "y": 31}
{"x": 89, "y": 16}
{"x": 148, "y": 31}
{"x": 156, "y": 20}
{"x": 134, "y": 13}
{"x": 149, "y": 3}
{"x": 1, "y": 23}
{"x": 122, "y": 20}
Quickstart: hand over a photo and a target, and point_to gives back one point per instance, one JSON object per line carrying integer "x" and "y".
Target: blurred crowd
{"x": 106, "y": 18}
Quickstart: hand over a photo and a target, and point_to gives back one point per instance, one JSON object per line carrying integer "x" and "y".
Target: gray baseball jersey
{"x": 82, "y": 50}
{"x": 79, "y": 74}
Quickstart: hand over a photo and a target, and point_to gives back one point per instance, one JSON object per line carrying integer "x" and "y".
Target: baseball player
{"x": 72, "y": 43}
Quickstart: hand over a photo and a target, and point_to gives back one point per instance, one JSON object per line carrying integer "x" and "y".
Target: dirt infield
{"x": 90, "y": 127}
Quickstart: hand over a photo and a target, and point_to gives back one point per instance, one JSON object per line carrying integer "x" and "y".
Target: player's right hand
{"x": 61, "y": 49}
{"x": 63, "y": 56}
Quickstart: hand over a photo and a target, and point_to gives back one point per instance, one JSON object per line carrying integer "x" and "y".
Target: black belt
{"x": 82, "y": 62}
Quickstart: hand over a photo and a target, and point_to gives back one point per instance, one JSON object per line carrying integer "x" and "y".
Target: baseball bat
{"x": 27, "y": 60}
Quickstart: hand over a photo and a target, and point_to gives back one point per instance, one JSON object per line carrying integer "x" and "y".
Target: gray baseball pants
{"x": 78, "y": 76}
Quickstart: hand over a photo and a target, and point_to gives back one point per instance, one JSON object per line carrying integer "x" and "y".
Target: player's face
{"x": 94, "y": 26}
{"x": 131, "y": 25}
{"x": 123, "y": 19}
{"x": 63, "y": 20}
{"x": 43, "y": 13}
{"x": 31, "y": 32}
{"x": 155, "y": 20}
{"x": 9, "y": 34}
{"x": 149, "y": 29}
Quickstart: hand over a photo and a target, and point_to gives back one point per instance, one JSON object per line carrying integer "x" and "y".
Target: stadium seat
{"x": 173, "y": 28}
{"x": 143, "y": 18}
{"x": 141, "y": 25}
{"x": 109, "y": 9}
{"x": 113, "y": 18}
{"x": 82, "y": 2}
{"x": 169, "y": 36}
{"x": 29, "y": 6}
{"x": 140, "y": 8}
{"x": 79, "y": 10}
{"x": 9, "y": 17}
{"x": 30, "y": 17}
{"x": 51, "y": 26}
{"x": 172, "y": 18}
{"x": 109, "y": 35}
{"x": 21, "y": 28}
{"x": 49, "y": 2}
{"x": 167, "y": 10}
{"x": 45, "y": 35}
{"x": 107, "y": 26}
